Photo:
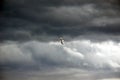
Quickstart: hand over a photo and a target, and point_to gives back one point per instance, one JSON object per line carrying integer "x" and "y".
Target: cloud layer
{"x": 28, "y": 18}
{"x": 74, "y": 54}
{"x": 29, "y": 30}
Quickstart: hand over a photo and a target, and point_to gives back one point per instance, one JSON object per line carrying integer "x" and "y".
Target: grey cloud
{"x": 105, "y": 21}
{"x": 45, "y": 54}
{"x": 85, "y": 55}
{"x": 58, "y": 21}
{"x": 58, "y": 74}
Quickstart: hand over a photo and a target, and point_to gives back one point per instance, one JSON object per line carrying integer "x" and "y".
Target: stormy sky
{"x": 30, "y": 47}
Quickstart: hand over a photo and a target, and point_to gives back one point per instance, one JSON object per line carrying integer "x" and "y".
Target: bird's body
{"x": 61, "y": 40}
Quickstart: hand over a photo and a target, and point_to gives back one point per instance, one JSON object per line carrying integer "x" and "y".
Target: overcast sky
{"x": 33, "y": 19}
{"x": 29, "y": 39}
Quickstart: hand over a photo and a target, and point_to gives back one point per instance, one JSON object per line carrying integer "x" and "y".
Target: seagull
{"x": 62, "y": 40}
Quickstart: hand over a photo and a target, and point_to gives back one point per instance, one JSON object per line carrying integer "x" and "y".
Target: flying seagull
{"x": 62, "y": 40}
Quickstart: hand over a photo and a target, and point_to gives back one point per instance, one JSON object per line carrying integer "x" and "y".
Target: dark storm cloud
{"x": 24, "y": 19}
{"x": 109, "y": 29}
{"x": 1, "y": 5}
{"x": 49, "y": 2}
{"x": 60, "y": 2}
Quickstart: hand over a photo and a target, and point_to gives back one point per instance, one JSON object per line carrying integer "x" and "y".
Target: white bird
{"x": 62, "y": 40}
